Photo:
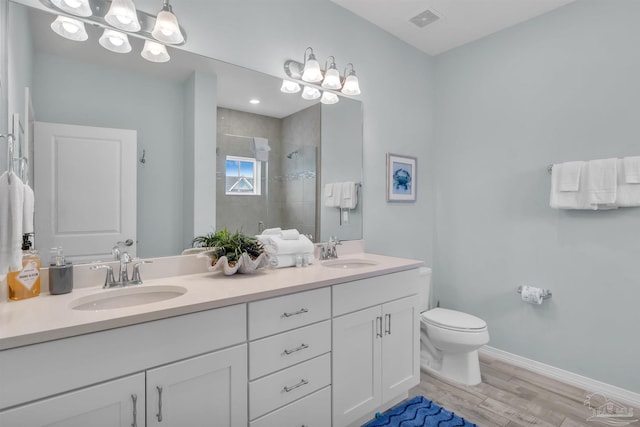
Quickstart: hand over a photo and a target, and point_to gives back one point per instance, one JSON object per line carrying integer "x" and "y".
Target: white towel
{"x": 332, "y": 195}
{"x": 11, "y": 217}
{"x": 272, "y": 231}
{"x": 280, "y": 261}
{"x": 569, "y": 175}
{"x": 349, "y": 196}
{"x": 568, "y": 199}
{"x": 261, "y": 147}
{"x": 631, "y": 167}
{"x": 628, "y": 194}
{"x": 291, "y": 234}
{"x": 28, "y": 210}
{"x": 276, "y": 245}
{"x": 602, "y": 177}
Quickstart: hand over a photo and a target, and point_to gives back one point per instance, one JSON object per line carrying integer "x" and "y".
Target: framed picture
{"x": 401, "y": 178}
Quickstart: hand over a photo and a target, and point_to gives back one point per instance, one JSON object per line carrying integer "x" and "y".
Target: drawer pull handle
{"x": 387, "y": 318}
{"x": 134, "y": 398}
{"x": 159, "y": 414}
{"x": 379, "y": 326}
{"x": 295, "y": 313}
{"x": 302, "y": 347}
{"x": 293, "y": 387}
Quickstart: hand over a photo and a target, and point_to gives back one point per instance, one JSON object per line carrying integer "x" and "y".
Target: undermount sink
{"x": 126, "y": 297}
{"x": 349, "y": 263}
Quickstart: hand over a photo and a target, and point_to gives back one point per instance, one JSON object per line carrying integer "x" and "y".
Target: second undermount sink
{"x": 349, "y": 263}
{"x": 126, "y": 297}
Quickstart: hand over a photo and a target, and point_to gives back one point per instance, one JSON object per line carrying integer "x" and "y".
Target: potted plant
{"x": 233, "y": 252}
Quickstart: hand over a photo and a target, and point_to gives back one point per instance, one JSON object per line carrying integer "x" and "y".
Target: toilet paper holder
{"x": 546, "y": 293}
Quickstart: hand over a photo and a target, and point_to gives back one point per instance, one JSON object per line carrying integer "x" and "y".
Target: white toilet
{"x": 449, "y": 340}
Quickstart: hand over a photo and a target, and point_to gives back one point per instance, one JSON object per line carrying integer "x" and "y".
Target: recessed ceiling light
{"x": 254, "y": 101}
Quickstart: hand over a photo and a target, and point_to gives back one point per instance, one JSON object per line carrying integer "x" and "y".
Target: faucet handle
{"x": 109, "y": 280}
{"x": 135, "y": 276}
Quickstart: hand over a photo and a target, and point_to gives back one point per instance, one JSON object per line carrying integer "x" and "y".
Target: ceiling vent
{"x": 425, "y": 18}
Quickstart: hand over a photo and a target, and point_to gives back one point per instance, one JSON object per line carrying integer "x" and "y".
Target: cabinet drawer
{"x": 281, "y": 388}
{"x": 310, "y": 411}
{"x": 287, "y": 312}
{"x": 288, "y": 348}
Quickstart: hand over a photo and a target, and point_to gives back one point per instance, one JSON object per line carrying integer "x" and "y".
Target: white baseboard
{"x": 592, "y": 386}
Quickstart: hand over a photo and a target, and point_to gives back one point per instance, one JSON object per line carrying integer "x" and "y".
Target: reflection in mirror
{"x": 171, "y": 107}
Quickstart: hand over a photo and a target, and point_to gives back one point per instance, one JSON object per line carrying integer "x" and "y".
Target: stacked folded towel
{"x": 596, "y": 185}
{"x": 285, "y": 246}
{"x": 16, "y": 218}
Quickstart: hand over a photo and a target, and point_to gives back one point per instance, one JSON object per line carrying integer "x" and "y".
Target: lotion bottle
{"x": 60, "y": 273}
{"x": 25, "y": 283}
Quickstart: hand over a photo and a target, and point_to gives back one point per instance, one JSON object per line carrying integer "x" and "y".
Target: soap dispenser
{"x": 60, "y": 273}
{"x": 25, "y": 283}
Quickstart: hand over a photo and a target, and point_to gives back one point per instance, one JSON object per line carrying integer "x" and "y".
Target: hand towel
{"x": 631, "y": 167}
{"x": 281, "y": 261}
{"x": 291, "y": 234}
{"x": 568, "y": 199}
{"x": 349, "y": 196}
{"x": 261, "y": 147}
{"x": 332, "y": 195}
{"x": 272, "y": 231}
{"x": 569, "y": 179}
{"x": 11, "y": 217}
{"x": 28, "y": 210}
{"x": 602, "y": 177}
{"x": 276, "y": 245}
{"x": 628, "y": 195}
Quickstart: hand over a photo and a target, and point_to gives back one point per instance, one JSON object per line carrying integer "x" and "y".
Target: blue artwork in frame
{"x": 401, "y": 178}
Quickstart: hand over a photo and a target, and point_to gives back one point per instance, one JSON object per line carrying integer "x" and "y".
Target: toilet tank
{"x": 425, "y": 289}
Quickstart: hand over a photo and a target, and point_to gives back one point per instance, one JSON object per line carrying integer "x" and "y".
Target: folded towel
{"x": 275, "y": 245}
{"x": 332, "y": 195}
{"x": 11, "y": 218}
{"x": 349, "y": 196}
{"x": 291, "y": 234}
{"x": 569, "y": 179}
{"x": 628, "y": 195}
{"x": 568, "y": 199}
{"x": 280, "y": 261}
{"x": 272, "y": 231}
{"x": 261, "y": 147}
{"x": 28, "y": 210}
{"x": 631, "y": 167}
{"x": 602, "y": 176}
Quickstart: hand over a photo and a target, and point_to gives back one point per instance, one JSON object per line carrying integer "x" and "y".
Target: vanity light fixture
{"x": 331, "y": 76}
{"x": 70, "y": 28}
{"x": 74, "y": 7}
{"x": 155, "y": 52}
{"x": 310, "y": 93}
{"x": 115, "y": 41}
{"x": 311, "y": 71}
{"x": 351, "y": 85}
{"x": 167, "y": 29}
{"x": 329, "y": 98}
{"x": 123, "y": 15}
{"x": 289, "y": 87}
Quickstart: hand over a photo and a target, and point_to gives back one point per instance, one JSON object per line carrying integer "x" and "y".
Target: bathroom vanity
{"x": 316, "y": 346}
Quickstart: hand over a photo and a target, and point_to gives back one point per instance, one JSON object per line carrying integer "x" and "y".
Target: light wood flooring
{"x": 511, "y": 396}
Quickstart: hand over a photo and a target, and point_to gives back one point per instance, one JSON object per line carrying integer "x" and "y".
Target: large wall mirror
{"x": 168, "y": 110}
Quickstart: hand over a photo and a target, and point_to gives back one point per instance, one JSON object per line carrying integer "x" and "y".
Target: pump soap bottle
{"x": 25, "y": 283}
{"x": 60, "y": 273}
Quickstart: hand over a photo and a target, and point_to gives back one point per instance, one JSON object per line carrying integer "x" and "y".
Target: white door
{"x": 117, "y": 403}
{"x": 85, "y": 189}
{"x": 356, "y": 365}
{"x": 400, "y": 347}
{"x": 209, "y": 390}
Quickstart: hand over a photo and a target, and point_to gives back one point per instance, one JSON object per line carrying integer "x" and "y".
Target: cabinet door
{"x": 208, "y": 390}
{"x": 115, "y": 403}
{"x": 356, "y": 365}
{"x": 400, "y": 347}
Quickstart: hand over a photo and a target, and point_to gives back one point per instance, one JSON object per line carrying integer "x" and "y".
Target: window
{"x": 242, "y": 176}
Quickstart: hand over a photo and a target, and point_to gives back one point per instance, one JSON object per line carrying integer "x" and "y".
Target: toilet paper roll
{"x": 532, "y": 295}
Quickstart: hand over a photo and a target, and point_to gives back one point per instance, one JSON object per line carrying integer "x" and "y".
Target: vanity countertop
{"x": 49, "y": 317}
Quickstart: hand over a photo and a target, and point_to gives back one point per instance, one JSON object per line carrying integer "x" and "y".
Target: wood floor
{"x": 511, "y": 396}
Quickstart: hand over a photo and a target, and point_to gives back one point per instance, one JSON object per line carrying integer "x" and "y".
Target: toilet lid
{"x": 451, "y": 319}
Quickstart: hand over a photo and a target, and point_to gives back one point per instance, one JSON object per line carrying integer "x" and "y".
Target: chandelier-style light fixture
{"x": 318, "y": 83}
{"x": 119, "y": 18}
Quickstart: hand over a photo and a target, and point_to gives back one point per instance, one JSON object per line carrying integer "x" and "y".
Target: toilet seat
{"x": 453, "y": 320}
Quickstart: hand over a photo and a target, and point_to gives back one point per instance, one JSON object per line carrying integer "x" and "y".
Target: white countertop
{"x": 49, "y": 317}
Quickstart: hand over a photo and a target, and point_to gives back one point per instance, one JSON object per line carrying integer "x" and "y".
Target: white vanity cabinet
{"x": 290, "y": 360}
{"x": 376, "y": 351}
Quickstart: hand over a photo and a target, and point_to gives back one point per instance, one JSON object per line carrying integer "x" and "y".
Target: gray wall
{"x": 63, "y": 93}
{"x": 560, "y": 87}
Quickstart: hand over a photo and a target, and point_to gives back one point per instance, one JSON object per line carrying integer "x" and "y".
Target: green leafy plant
{"x": 231, "y": 245}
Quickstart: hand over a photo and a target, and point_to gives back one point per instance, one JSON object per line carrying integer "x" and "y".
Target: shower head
{"x": 291, "y": 154}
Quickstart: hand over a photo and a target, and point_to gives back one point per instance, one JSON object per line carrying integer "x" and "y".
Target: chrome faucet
{"x": 328, "y": 250}
{"x": 123, "y": 277}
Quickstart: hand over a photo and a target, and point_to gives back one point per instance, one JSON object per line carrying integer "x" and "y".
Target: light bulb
{"x": 310, "y": 93}
{"x": 74, "y": 7}
{"x": 351, "y": 85}
{"x": 115, "y": 41}
{"x": 166, "y": 28}
{"x": 329, "y": 98}
{"x": 289, "y": 87}
{"x": 69, "y": 28}
{"x": 123, "y": 15}
{"x": 154, "y": 52}
{"x": 331, "y": 79}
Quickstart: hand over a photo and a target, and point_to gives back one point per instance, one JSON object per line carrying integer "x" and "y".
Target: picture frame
{"x": 402, "y": 183}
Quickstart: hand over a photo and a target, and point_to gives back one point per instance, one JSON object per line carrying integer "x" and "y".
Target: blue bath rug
{"x": 418, "y": 412}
